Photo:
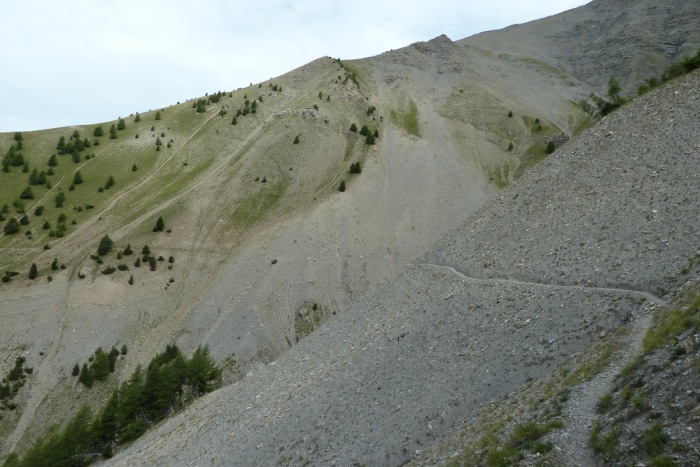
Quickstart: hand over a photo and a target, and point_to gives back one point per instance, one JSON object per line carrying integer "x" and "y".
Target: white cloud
{"x": 86, "y": 61}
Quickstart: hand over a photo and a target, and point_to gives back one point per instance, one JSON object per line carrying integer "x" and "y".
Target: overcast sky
{"x": 87, "y": 61}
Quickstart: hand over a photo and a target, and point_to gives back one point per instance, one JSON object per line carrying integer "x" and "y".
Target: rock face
{"x": 534, "y": 276}
{"x": 632, "y": 40}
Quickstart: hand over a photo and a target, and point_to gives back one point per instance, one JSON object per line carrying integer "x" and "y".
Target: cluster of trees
{"x": 12, "y": 382}
{"x": 13, "y": 158}
{"x": 169, "y": 383}
{"x": 685, "y": 66}
{"x": 37, "y": 178}
{"x": 100, "y": 366}
{"x": 200, "y": 105}
{"x": 370, "y": 136}
{"x": 120, "y": 126}
{"x": 355, "y": 168}
{"x": 106, "y": 246}
{"x": 614, "y": 99}
{"x": 7, "y": 277}
{"x": 216, "y": 97}
{"x": 74, "y": 146}
{"x": 109, "y": 183}
{"x": 249, "y": 107}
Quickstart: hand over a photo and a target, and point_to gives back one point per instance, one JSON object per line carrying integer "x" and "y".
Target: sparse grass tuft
{"x": 670, "y": 323}
{"x": 407, "y": 120}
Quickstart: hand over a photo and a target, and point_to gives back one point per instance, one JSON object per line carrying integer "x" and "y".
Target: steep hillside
{"x": 254, "y": 223}
{"x": 361, "y": 325}
{"x": 413, "y": 360}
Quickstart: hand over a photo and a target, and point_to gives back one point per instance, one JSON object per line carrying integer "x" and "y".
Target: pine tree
{"x": 105, "y": 246}
{"x": 77, "y": 178}
{"x": 551, "y": 147}
{"x": 100, "y": 366}
{"x": 104, "y": 428}
{"x": 27, "y": 194}
{"x": 121, "y": 124}
{"x": 202, "y": 372}
{"x": 60, "y": 199}
{"x": 160, "y": 225}
{"x": 86, "y": 376}
{"x": 33, "y": 271}
{"x": 11, "y": 226}
{"x": 341, "y": 188}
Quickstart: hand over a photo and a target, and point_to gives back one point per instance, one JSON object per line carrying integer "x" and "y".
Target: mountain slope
{"x": 633, "y": 40}
{"x": 434, "y": 346}
{"x": 260, "y": 236}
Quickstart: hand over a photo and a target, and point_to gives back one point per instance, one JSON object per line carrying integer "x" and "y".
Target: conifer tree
{"x": 105, "y": 246}
{"x": 60, "y": 199}
{"x": 100, "y": 366}
{"x": 27, "y": 194}
{"x": 160, "y": 225}
{"x": 11, "y": 226}
{"x": 86, "y": 376}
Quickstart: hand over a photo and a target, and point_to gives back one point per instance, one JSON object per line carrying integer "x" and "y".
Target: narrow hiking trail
{"x": 580, "y": 410}
{"x": 646, "y": 295}
{"x": 572, "y": 441}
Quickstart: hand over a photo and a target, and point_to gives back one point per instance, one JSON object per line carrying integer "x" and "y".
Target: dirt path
{"x": 646, "y": 295}
{"x": 580, "y": 410}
